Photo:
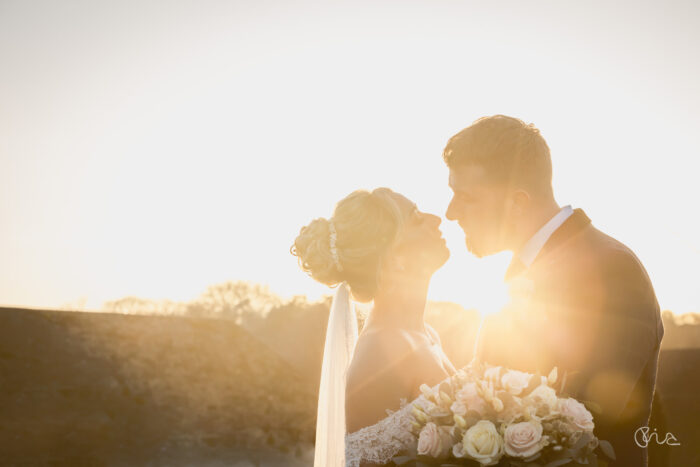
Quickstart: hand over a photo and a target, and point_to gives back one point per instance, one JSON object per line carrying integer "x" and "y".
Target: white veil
{"x": 341, "y": 336}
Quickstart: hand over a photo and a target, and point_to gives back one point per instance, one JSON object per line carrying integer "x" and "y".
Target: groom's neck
{"x": 537, "y": 217}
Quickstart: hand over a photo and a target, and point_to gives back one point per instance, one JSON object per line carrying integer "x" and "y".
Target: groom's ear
{"x": 521, "y": 202}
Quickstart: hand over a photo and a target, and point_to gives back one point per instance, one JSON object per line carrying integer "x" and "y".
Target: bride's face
{"x": 420, "y": 247}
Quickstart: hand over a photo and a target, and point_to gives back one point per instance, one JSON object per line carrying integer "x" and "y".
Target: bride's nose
{"x": 435, "y": 220}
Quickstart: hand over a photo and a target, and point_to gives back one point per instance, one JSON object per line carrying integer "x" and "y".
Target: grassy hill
{"x": 121, "y": 389}
{"x": 109, "y": 389}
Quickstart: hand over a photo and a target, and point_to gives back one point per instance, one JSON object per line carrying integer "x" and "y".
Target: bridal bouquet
{"x": 486, "y": 415}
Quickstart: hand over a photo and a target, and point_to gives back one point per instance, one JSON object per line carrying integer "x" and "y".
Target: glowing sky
{"x": 154, "y": 148}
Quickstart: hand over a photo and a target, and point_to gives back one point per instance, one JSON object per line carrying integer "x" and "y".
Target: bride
{"x": 376, "y": 247}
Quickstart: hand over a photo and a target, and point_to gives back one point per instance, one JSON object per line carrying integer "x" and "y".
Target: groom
{"x": 580, "y": 300}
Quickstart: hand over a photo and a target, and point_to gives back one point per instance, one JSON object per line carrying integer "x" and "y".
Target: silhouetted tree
{"x": 234, "y": 300}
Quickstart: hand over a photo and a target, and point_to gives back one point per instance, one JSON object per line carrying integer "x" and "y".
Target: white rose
{"x": 459, "y": 408}
{"x": 482, "y": 443}
{"x": 515, "y": 381}
{"x": 544, "y": 394}
{"x": 434, "y": 441}
{"x": 523, "y": 439}
{"x": 469, "y": 396}
{"x": 580, "y": 416}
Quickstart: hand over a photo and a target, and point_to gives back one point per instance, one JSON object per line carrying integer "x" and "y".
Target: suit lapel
{"x": 571, "y": 226}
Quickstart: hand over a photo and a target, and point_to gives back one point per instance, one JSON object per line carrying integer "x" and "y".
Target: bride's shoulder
{"x": 378, "y": 345}
{"x": 373, "y": 343}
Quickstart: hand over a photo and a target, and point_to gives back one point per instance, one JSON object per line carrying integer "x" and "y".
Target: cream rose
{"x": 434, "y": 441}
{"x": 515, "y": 381}
{"x": 469, "y": 396}
{"x": 482, "y": 443}
{"x": 523, "y": 439}
{"x": 580, "y": 416}
{"x": 545, "y": 395}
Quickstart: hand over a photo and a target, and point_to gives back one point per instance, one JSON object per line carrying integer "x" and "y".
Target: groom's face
{"x": 478, "y": 205}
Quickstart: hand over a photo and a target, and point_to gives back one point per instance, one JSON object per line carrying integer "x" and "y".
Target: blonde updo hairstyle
{"x": 367, "y": 224}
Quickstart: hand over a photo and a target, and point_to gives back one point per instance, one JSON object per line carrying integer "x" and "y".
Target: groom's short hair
{"x": 507, "y": 148}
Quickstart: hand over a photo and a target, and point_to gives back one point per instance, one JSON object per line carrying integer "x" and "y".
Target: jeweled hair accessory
{"x": 334, "y": 250}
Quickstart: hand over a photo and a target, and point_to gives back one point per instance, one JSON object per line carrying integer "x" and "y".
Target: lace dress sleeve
{"x": 380, "y": 442}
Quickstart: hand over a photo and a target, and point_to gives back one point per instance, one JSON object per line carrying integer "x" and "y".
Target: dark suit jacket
{"x": 586, "y": 306}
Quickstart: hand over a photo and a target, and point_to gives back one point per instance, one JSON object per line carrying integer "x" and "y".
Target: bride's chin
{"x": 434, "y": 260}
{"x": 442, "y": 259}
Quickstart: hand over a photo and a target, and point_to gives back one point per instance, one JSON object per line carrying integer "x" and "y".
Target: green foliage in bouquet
{"x": 492, "y": 416}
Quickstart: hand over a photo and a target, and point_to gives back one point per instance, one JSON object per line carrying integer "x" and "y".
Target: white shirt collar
{"x": 533, "y": 246}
